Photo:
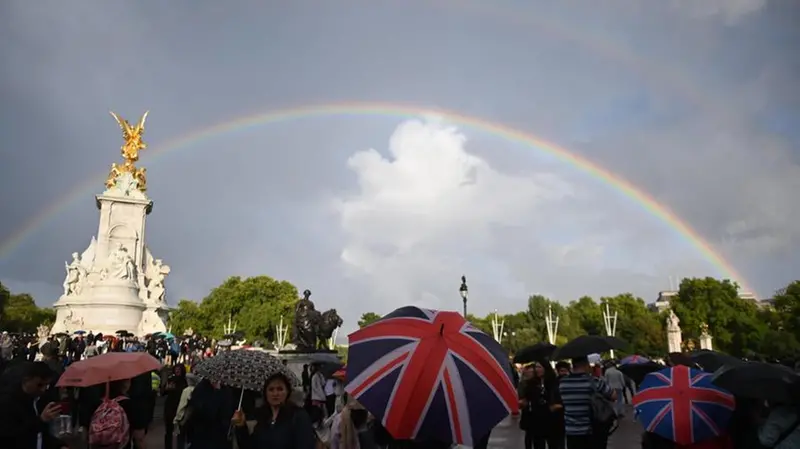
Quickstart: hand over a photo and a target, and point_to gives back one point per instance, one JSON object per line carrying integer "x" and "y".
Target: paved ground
{"x": 505, "y": 436}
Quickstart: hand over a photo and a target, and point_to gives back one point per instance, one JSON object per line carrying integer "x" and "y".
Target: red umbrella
{"x": 340, "y": 374}
{"x": 107, "y": 368}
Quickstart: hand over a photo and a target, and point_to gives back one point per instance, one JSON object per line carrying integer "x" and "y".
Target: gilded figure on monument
{"x": 132, "y": 135}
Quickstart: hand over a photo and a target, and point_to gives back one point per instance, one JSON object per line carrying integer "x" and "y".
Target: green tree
{"x": 636, "y": 324}
{"x": 731, "y": 320}
{"x": 23, "y": 315}
{"x": 256, "y": 304}
{"x": 787, "y": 304}
{"x": 587, "y": 315}
{"x": 4, "y": 296}
{"x": 368, "y": 318}
{"x": 187, "y": 315}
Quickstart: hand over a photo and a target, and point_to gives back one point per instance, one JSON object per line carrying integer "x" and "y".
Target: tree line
{"x": 739, "y": 326}
{"x": 19, "y": 312}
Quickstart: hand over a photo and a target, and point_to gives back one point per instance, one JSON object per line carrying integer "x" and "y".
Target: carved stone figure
{"x": 76, "y": 276}
{"x": 330, "y": 320}
{"x": 157, "y": 271}
{"x": 673, "y": 322}
{"x": 42, "y": 332}
{"x": 68, "y": 319}
{"x": 121, "y": 264}
{"x": 704, "y": 330}
{"x": 306, "y": 319}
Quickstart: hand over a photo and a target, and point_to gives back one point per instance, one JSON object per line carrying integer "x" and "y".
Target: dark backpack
{"x": 603, "y": 414}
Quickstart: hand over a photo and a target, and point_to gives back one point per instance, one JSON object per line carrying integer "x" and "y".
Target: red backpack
{"x": 109, "y": 427}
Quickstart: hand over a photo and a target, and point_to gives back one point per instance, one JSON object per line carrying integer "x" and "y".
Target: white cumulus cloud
{"x": 427, "y": 209}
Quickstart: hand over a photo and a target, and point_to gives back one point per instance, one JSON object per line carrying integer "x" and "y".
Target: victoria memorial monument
{"x": 116, "y": 283}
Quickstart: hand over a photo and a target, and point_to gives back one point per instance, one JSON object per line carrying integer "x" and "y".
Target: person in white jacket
{"x": 317, "y": 395}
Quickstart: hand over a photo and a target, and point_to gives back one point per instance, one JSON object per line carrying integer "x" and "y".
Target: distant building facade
{"x": 661, "y": 304}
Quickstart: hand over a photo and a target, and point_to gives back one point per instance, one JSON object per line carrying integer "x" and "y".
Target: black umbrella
{"x": 535, "y": 353}
{"x": 121, "y": 331}
{"x": 758, "y": 380}
{"x": 588, "y": 344}
{"x": 711, "y": 361}
{"x": 243, "y": 368}
{"x": 637, "y": 371}
{"x": 679, "y": 358}
{"x": 327, "y": 369}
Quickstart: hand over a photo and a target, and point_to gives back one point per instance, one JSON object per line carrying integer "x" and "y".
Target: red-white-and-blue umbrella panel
{"x": 682, "y": 405}
{"x": 430, "y": 375}
{"x": 634, "y": 360}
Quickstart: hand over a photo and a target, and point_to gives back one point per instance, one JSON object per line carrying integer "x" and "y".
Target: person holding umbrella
{"x": 580, "y": 390}
{"x": 756, "y": 382}
{"x": 679, "y": 407}
{"x": 279, "y": 424}
{"x": 430, "y": 377}
{"x": 541, "y": 408}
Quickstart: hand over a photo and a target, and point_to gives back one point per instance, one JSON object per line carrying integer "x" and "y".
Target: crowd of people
{"x": 558, "y": 403}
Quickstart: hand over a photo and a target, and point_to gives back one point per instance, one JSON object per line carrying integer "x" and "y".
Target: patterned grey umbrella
{"x": 244, "y": 368}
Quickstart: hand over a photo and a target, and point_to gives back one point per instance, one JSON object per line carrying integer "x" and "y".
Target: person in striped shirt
{"x": 576, "y": 391}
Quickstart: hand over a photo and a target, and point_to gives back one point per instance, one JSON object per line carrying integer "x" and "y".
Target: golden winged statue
{"x": 133, "y": 137}
{"x": 132, "y": 134}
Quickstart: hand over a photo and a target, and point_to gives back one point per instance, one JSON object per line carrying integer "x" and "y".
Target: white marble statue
{"x": 76, "y": 276}
{"x": 157, "y": 272}
{"x": 673, "y": 322}
{"x": 121, "y": 264}
{"x": 43, "y": 332}
{"x": 87, "y": 258}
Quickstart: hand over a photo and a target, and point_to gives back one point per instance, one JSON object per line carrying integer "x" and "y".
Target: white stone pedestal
{"x": 116, "y": 284}
{"x": 705, "y": 342}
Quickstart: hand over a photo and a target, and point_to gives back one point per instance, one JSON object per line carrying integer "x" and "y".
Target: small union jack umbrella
{"x": 430, "y": 376}
{"x": 634, "y": 360}
{"x": 682, "y": 405}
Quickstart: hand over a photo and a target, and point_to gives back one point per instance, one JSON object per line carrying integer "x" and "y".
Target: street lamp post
{"x": 497, "y": 326}
{"x": 610, "y": 322}
{"x": 464, "y": 293}
{"x": 552, "y": 325}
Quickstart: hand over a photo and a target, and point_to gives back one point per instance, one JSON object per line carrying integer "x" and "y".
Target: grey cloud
{"x": 259, "y": 200}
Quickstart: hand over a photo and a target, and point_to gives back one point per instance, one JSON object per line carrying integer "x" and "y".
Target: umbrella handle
{"x": 241, "y": 396}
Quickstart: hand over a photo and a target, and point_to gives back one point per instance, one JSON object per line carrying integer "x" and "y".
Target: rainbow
{"x": 401, "y": 111}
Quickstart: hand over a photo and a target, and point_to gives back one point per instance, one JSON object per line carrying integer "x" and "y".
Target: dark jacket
{"x": 172, "y": 390}
{"x": 291, "y": 430}
{"x": 20, "y": 424}
{"x": 537, "y": 417}
{"x": 211, "y": 412}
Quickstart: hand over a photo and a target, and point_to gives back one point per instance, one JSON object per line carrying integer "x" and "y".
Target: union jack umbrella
{"x": 430, "y": 376}
{"x": 634, "y": 360}
{"x": 682, "y": 405}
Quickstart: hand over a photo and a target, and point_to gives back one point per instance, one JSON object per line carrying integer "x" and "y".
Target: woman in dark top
{"x": 172, "y": 390}
{"x": 279, "y": 423}
{"x": 541, "y": 409}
